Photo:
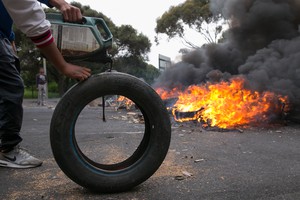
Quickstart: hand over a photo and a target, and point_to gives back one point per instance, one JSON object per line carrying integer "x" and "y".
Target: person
{"x": 41, "y": 81}
{"x": 29, "y": 17}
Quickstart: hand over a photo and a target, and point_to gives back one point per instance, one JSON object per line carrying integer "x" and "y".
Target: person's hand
{"x": 76, "y": 72}
{"x": 70, "y": 13}
{"x": 52, "y": 53}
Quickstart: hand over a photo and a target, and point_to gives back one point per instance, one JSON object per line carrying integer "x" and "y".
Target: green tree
{"x": 137, "y": 67}
{"x": 129, "y": 51}
{"x": 131, "y": 43}
{"x": 127, "y": 41}
{"x": 190, "y": 15}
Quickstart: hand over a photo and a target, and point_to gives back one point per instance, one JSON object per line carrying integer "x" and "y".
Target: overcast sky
{"x": 142, "y": 16}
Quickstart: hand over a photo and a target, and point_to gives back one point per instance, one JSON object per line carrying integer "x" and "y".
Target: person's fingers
{"x": 87, "y": 71}
{"x": 76, "y": 72}
{"x": 77, "y": 15}
{"x": 65, "y": 15}
{"x": 72, "y": 14}
{"x": 82, "y": 78}
{"x": 83, "y": 74}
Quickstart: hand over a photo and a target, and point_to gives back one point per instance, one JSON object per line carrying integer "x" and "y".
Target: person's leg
{"x": 11, "y": 97}
{"x": 44, "y": 95}
{"x": 11, "y": 111}
{"x": 39, "y": 94}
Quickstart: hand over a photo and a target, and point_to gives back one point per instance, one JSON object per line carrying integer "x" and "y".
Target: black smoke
{"x": 262, "y": 44}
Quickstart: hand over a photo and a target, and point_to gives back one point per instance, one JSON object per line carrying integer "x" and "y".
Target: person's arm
{"x": 68, "y": 69}
{"x": 29, "y": 17}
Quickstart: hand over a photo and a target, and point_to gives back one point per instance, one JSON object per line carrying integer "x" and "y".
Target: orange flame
{"x": 168, "y": 94}
{"x": 125, "y": 101}
{"x": 226, "y": 104}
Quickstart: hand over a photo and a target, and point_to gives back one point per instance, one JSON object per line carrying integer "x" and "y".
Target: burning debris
{"x": 123, "y": 102}
{"x": 119, "y": 102}
{"x": 133, "y": 114}
{"x": 226, "y": 104}
{"x": 252, "y": 76}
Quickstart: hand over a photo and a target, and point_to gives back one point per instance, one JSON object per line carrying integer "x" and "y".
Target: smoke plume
{"x": 262, "y": 44}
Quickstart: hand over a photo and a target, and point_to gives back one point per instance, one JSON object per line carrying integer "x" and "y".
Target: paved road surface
{"x": 257, "y": 163}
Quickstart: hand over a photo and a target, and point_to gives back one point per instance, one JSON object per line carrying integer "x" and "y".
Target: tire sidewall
{"x": 64, "y": 120}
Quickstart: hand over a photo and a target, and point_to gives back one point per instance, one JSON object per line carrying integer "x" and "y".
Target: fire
{"x": 225, "y": 105}
{"x": 168, "y": 94}
{"x": 125, "y": 101}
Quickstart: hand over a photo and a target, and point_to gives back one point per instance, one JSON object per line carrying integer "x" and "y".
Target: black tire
{"x": 124, "y": 175}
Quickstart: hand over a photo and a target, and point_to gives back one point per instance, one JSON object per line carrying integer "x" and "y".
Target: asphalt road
{"x": 253, "y": 163}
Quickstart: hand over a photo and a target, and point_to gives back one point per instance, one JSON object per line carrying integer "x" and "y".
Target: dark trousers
{"x": 11, "y": 96}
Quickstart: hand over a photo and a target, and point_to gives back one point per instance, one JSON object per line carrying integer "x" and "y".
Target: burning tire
{"x": 118, "y": 176}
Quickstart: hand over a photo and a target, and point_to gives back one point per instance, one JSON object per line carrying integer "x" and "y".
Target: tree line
{"x": 129, "y": 54}
{"x": 130, "y": 48}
